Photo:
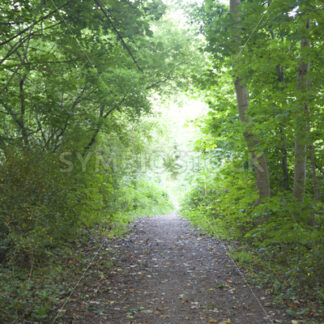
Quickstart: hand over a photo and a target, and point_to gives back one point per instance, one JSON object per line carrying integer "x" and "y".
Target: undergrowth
{"x": 277, "y": 245}
{"x": 47, "y": 214}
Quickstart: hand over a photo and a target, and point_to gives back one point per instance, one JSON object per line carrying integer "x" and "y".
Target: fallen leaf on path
{"x": 226, "y": 321}
{"x": 292, "y": 306}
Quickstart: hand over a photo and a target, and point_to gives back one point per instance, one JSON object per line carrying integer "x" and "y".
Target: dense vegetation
{"x": 263, "y": 140}
{"x": 77, "y": 136}
{"x": 75, "y": 83}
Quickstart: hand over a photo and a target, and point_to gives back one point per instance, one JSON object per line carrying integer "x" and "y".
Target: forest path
{"x": 168, "y": 272}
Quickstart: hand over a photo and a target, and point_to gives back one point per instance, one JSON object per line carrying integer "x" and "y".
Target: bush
{"x": 42, "y": 206}
{"x": 44, "y": 211}
{"x": 285, "y": 248}
{"x": 144, "y": 198}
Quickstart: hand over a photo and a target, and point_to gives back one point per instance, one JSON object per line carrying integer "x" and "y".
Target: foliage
{"x": 75, "y": 82}
{"x": 285, "y": 250}
{"x": 145, "y": 199}
{"x": 37, "y": 294}
{"x": 75, "y": 86}
{"x": 31, "y": 297}
{"x": 282, "y": 235}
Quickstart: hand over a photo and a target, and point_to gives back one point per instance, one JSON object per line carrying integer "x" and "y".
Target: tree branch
{"x": 118, "y": 34}
{"x": 33, "y": 24}
{"x": 102, "y": 117}
{"x": 25, "y": 51}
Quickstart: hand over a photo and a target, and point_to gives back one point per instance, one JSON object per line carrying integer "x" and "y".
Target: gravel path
{"x": 167, "y": 272}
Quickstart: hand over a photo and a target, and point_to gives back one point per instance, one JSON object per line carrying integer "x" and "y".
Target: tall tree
{"x": 301, "y": 124}
{"x": 242, "y": 96}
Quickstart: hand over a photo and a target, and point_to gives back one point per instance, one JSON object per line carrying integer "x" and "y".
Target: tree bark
{"x": 312, "y": 160}
{"x": 242, "y": 95}
{"x": 316, "y": 185}
{"x": 301, "y": 129}
{"x": 22, "y": 111}
{"x": 284, "y": 159}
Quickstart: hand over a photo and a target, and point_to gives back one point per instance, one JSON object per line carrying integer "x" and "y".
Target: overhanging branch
{"x": 118, "y": 34}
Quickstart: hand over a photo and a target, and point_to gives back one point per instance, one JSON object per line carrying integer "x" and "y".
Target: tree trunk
{"x": 284, "y": 159}
{"x": 96, "y": 131}
{"x": 242, "y": 96}
{"x": 312, "y": 159}
{"x": 316, "y": 185}
{"x": 301, "y": 130}
{"x": 22, "y": 111}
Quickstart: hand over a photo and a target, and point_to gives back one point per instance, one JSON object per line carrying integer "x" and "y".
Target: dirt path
{"x": 167, "y": 272}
